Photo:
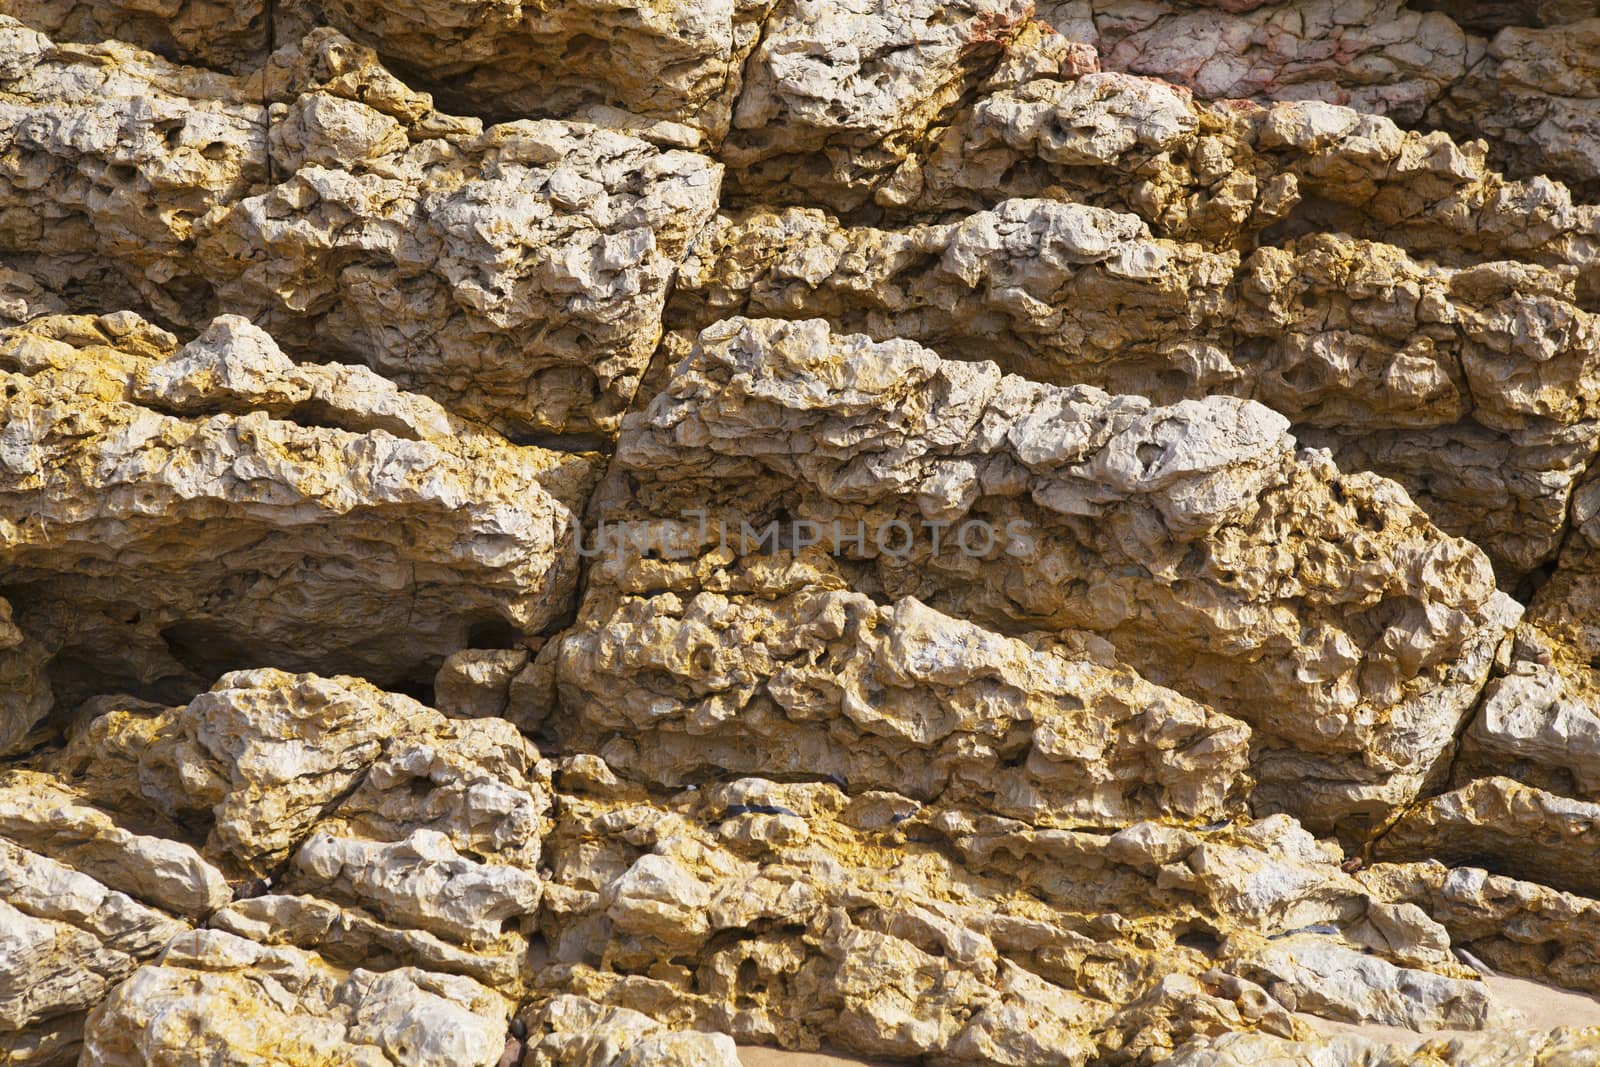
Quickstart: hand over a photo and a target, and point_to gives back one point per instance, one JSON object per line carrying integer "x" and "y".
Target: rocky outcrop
{"x": 973, "y": 533}
{"x": 893, "y": 953}
{"x": 731, "y": 672}
{"x": 1032, "y": 483}
{"x": 202, "y": 996}
{"x": 1515, "y": 927}
{"x": 1382, "y": 358}
{"x": 513, "y": 272}
{"x": 171, "y": 510}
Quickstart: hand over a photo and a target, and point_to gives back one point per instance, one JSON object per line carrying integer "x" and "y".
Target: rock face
{"x": 1066, "y": 508}
{"x": 599, "y": 534}
{"x": 175, "y": 509}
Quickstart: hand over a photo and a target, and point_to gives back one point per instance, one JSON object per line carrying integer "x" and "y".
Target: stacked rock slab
{"x": 1353, "y": 638}
{"x": 808, "y": 523}
{"x": 514, "y": 272}
{"x": 172, "y": 510}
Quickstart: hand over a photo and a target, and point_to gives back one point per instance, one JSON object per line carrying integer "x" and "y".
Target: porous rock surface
{"x": 601, "y": 534}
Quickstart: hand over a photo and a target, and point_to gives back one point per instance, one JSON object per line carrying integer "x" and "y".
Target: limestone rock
{"x": 731, "y": 673}
{"x": 1505, "y": 1048}
{"x": 514, "y": 272}
{"x": 203, "y": 997}
{"x": 476, "y": 683}
{"x": 38, "y": 813}
{"x": 957, "y": 935}
{"x": 1228, "y": 174}
{"x": 114, "y": 158}
{"x": 1504, "y": 825}
{"x": 838, "y": 93}
{"x": 65, "y": 939}
{"x": 182, "y": 510}
{"x": 1516, "y": 927}
{"x": 1374, "y": 55}
{"x": 25, "y": 695}
{"x": 353, "y": 936}
{"x": 270, "y": 759}
{"x": 1146, "y": 525}
{"x": 1380, "y": 357}
{"x": 1535, "y": 94}
{"x": 230, "y": 35}
{"x": 668, "y": 62}
{"x": 575, "y": 1032}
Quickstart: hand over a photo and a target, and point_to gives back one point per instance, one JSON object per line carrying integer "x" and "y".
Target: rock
{"x": 200, "y": 507}
{"x": 1537, "y": 726}
{"x": 838, "y": 93}
{"x": 421, "y": 881}
{"x": 1516, "y": 927}
{"x": 1499, "y": 823}
{"x": 575, "y": 1032}
{"x": 202, "y": 997}
{"x": 1508, "y": 1048}
{"x": 475, "y": 683}
{"x": 1535, "y": 95}
{"x": 354, "y": 937}
{"x": 66, "y": 939}
{"x": 25, "y": 695}
{"x": 725, "y": 674}
{"x": 116, "y": 157}
{"x": 667, "y": 62}
{"x": 1228, "y": 175}
{"x": 1145, "y": 525}
{"x": 1305, "y": 973}
{"x": 270, "y": 759}
{"x": 957, "y": 935}
{"x": 515, "y": 272}
{"x": 40, "y": 814}
{"x": 1375, "y": 55}
{"x": 1384, "y": 359}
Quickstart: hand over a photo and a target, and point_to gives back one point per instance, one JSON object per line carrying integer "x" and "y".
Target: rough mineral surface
{"x": 172, "y": 510}
{"x": 605, "y": 534}
{"x": 1353, "y": 637}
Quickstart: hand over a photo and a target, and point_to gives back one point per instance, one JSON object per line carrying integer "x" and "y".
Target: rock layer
{"x": 968, "y": 533}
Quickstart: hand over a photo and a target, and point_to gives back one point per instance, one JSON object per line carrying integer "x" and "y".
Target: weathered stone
{"x": 1225, "y": 173}
{"x": 269, "y": 759}
{"x": 38, "y": 813}
{"x": 1372, "y": 55}
{"x": 569, "y": 1031}
{"x": 1519, "y": 928}
{"x": 837, "y": 94}
{"x": 1147, "y": 525}
{"x": 1506, "y": 826}
{"x": 670, "y": 62}
{"x": 1382, "y": 358}
{"x": 1504, "y": 1048}
{"x": 514, "y": 272}
{"x": 65, "y": 939}
{"x": 1535, "y": 95}
{"x": 731, "y": 671}
{"x": 185, "y": 510}
{"x": 475, "y": 683}
{"x": 203, "y": 997}
{"x": 964, "y": 937}
{"x": 353, "y": 937}
{"x": 25, "y": 695}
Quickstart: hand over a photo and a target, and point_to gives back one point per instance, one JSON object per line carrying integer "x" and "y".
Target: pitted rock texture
{"x": 1353, "y": 702}
{"x": 513, "y": 272}
{"x": 184, "y": 508}
{"x": 599, "y": 534}
{"x": 768, "y": 673}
